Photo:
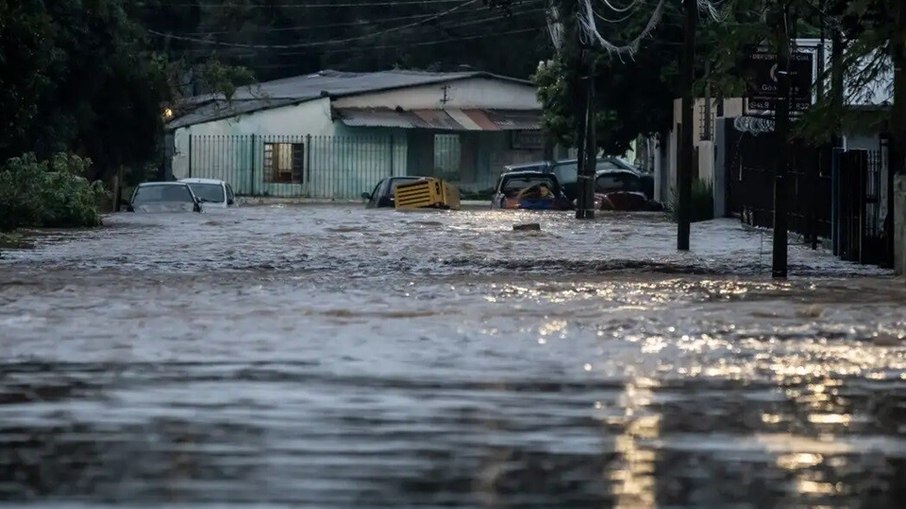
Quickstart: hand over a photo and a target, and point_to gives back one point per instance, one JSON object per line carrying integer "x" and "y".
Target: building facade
{"x": 334, "y": 134}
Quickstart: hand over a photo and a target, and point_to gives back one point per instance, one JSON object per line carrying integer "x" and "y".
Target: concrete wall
{"x": 473, "y": 93}
{"x": 312, "y": 117}
{"x": 340, "y": 162}
{"x": 665, "y": 166}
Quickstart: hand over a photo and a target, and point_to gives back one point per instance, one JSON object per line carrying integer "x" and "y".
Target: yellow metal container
{"x": 426, "y": 193}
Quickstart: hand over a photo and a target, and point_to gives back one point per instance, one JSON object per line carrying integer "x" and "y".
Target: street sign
{"x": 763, "y": 88}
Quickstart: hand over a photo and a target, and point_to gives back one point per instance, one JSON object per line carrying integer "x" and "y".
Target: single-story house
{"x": 335, "y": 134}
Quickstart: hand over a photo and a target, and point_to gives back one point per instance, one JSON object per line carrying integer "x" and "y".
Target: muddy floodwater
{"x": 333, "y": 357}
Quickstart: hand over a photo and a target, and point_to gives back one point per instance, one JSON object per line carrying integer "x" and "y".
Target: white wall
{"x": 475, "y": 93}
{"x": 312, "y": 117}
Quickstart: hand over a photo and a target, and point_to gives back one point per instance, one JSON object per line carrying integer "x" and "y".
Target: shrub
{"x": 52, "y": 193}
{"x": 702, "y": 202}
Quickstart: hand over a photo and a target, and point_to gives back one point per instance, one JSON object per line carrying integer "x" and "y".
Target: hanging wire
{"x": 718, "y": 15}
{"x": 586, "y": 19}
{"x": 624, "y": 18}
{"x": 621, "y": 9}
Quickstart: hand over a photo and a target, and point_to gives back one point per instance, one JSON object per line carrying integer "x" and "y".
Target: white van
{"x": 212, "y": 192}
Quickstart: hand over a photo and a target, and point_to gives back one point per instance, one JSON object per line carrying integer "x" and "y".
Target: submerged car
{"x": 163, "y": 197}
{"x": 212, "y": 192}
{"x": 531, "y": 190}
{"x": 622, "y": 190}
{"x": 567, "y": 173}
{"x": 382, "y": 195}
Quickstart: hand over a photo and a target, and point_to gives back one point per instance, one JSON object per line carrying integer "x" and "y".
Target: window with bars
{"x": 284, "y": 163}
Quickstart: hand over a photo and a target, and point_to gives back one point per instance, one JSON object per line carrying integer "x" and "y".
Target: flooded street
{"x": 330, "y": 356}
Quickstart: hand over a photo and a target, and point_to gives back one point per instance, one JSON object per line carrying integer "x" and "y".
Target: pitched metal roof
{"x": 445, "y": 119}
{"x": 312, "y": 86}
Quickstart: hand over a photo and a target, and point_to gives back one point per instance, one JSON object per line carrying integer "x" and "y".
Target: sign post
{"x": 764, "y": 77}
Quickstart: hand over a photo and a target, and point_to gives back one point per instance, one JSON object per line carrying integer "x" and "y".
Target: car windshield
{"x": 168, "y": 193}
{"x": 617, "y": 181}
{"x": 568, "y": 173}
{"x": 208, "y": 192}
{"x": 512, "y": 185}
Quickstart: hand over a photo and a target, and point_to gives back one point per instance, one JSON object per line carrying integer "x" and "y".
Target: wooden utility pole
{"x": 685, "y": 162}
{"x": 782, "y": 126}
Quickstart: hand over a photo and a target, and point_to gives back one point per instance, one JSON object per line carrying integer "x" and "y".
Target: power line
{"x": 313, "y": 44}
{"x": 387, "y": 3}
{"x": 349, "y": 23}
{"x": 402, "y": 45}
{"x": 253, "y": 51}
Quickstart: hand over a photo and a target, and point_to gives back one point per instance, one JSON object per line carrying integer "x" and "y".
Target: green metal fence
{"x": 328, "y": 167}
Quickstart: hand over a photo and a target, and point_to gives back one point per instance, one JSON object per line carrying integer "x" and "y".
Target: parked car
{"x": 567, "y": 173}
{"x": 535, "y": 166}
{"x": 382, "y": 195}
{"x": 212, "y": 192}
{"x": 529, "y": 189}
{"x": 163, "y": 197}
{"x": 622, "y": 190}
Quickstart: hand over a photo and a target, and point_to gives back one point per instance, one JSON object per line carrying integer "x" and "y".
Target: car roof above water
{"x": 202, "y": 181}
{"x": 148, "y": 184}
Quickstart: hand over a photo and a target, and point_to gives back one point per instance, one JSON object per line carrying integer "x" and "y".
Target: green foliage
{"x": 633, "y": 96}
{"x": 53, "y": 193}
{"x": 702, "y": 202}
{"x": 76, "y": 76}
{"x": 218, "y": 77}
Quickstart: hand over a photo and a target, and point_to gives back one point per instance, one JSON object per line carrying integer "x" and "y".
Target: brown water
{"x": 337, "y": 357}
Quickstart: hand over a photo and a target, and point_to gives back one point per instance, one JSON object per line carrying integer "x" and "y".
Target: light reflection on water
{"x": 317, "y": 357}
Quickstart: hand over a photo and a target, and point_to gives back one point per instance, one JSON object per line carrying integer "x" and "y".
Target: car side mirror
{"x": 366, "y": 196}
{"x": 230, "y": 201}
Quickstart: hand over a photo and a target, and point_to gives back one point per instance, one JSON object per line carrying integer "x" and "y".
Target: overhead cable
{"x": 314, "y": 44}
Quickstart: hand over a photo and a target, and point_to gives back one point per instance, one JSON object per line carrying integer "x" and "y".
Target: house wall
{"x": 471, "y": 93}
{"x": 339, "y": 162}
{"x": 342, "y": 161}
{"x": 312, "y": 117}
{"x": 665, "y": 166}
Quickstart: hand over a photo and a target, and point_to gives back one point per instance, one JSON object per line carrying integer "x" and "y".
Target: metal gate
{"x": 859, "y": 234}
{"x": 750, "y": 163}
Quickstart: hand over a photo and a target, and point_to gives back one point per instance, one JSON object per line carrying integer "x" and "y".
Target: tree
{"x": 634, "y": 95}
{"x": 76, "y": 77}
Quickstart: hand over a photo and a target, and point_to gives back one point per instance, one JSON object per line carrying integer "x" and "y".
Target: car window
{"x": 210, "y": 192}
{"x": 230, "y": 195}
{"x": 607, "y": 165}
{"x": 619, "y": 181}
{"x": 567, "y": 173}
{"x": 397, "y": 182}
{"x": 153, "y": 194}
{"x": 512, "y": 185}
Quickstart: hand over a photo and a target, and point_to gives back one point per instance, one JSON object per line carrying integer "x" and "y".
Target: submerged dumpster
{"x": 426, "y": 193}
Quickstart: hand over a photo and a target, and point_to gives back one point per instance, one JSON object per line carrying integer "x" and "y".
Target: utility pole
{"x": 587, "y": 144}
{"x": 782, "y": 123}
{"x": 587, "y": 177}
{"x": 684, "y": 168}
{"x": 581, "y": 105}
